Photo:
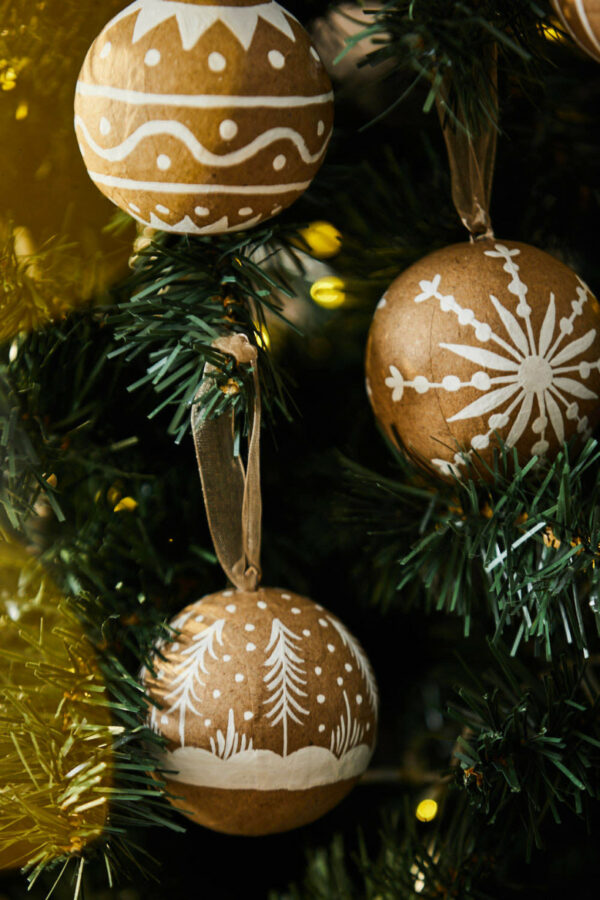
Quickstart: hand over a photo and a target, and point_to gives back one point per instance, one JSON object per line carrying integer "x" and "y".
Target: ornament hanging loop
{"x": 232, "y": 494}
{"x": 472, "y": 156}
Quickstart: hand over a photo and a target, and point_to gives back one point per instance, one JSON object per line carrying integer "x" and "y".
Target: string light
{"x": 323, "y": 238}
{"x": 329, "y": 292}
{"x": 427, "y": 810}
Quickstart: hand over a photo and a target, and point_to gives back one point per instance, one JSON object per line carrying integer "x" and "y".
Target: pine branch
{"x": 185, "y": 293}
{"x": 518, "y": 554}
{"x": 437, "y": 40}
{"x": 533, "y": 744}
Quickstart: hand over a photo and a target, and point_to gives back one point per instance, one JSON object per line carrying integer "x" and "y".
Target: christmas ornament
{"x": 203, "y": 118}
{"x": 269, "y": 706}
{"x": 581, "y": 18}
{"x": 267, "y": 702}
{"x": 484, "y": 338}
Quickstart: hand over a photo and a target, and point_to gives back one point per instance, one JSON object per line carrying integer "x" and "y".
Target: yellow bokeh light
{"x": 329, "y": 292}
{"x": 22, "y": 111}
{"x": 427, "y": 810}
{"x": 323, "y": 238}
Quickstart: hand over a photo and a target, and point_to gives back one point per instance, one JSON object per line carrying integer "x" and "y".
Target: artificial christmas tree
{"x": 475, "y": 595}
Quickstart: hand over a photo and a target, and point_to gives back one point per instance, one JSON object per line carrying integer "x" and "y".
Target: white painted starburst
{"x": 528, "y": 380}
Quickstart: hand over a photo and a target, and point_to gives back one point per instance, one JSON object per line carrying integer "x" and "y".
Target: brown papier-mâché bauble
{"x": 269, "y": 707}
{"x": 581, "y": 18}
{"x": 484, "y": 338}
{"x": 203, "y": 118}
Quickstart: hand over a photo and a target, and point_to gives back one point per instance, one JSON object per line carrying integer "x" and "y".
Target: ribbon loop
{"x": 232, "y": 494}
{"x": 472, "y": 159}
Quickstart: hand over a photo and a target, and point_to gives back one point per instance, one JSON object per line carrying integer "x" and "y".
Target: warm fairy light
{"x": 127, "y": 504}
{"x": 427, "y": 810}
{"x": 323, "y": 238}
{"x": 553, "y": 34}
{"x": 22, "y": 111}
{"x": 329, "y": 292}
{"x": 263, "y": 338}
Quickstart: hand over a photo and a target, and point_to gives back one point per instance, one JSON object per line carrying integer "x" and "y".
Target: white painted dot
{"x": 318, "y": 670}
{"x": 175, "y": 646}
{"x": 245, "y": 211}
{"x": 106, "y": 50}
{"x": 163, "y": 162}
{"x": 134, "y": 207}
{"x": 162, "y": 209}
{"x": 296, "y": 611}
{"x": 202, "y": 211}
{"x": 105, "y": 125}
{"x": 228, "y": 593}
{"x": 228, "y": 129}
{"x": 250, "y": 647}
{"x": 321, "y": 698}
{"x": 248, "y": 715}
{"x": 323, "y": 623}
{"x": 276, "y": 209}
{"x": 286, "y": 596}
{"x": 216, "y": 693}
{"x": 231, "y": 607}
{"x": 152, "y": 57}
{"x": 249, "y": 626}
{"x": 321, "y": 128}
{"x": 368, "y": 726}
{"x": 306, "y": 632}
{"x": 314, "y": 54}
{"x": 239, "y": 677}
{"x": 216, "y": 62}
{"x": 279, "y": 162}
{"x": 340, "y": 681}
{"x": 164, "y": 720}
{"x": 261, "y": 604}
{"x": 348, "y": 667}
{"x": 199, "y": 618}
{"x": 207, "y": 723}
{"x": 276, "y": 59}
{"x": 331, "y": 648}
{"x": 359, "y": 699}
{"x": 321, "y": 728}
{"x": 227, "y": 658}
{"x": 318, "y": 606}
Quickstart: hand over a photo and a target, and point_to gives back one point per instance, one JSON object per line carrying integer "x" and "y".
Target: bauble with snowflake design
{"x": 269, "y": 708}
{"x": 483, "y": 339}
{"x": 203, "y": 116}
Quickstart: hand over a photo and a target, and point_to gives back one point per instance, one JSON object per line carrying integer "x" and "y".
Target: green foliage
{"x": 185, "y": 293}
{"x": 530, "y": 744}
{"x": 438, "y": 41}
{"x": 518, "y": 554}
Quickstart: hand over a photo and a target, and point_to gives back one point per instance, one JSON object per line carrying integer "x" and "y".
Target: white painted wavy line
{"x": 198, "y": 101}
{"x": 172, "y": 187}
{"x": 198, "y": 150}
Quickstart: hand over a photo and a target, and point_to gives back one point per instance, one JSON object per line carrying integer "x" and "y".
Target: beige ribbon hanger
{"x": 472, "y": 160}
{"x": 232, "y": 494}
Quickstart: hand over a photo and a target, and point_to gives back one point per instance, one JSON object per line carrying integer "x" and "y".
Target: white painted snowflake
{"x": 534, "y": 386}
